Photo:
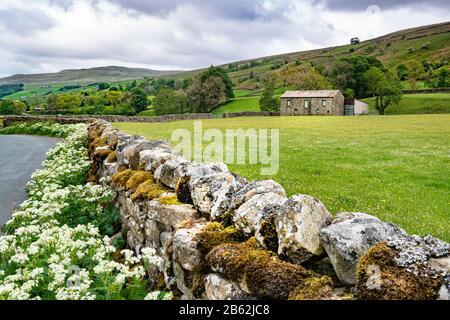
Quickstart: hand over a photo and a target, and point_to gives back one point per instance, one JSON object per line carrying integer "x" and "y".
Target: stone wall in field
{"x": 11, "y": 120}
{"x": 223, "y": 237}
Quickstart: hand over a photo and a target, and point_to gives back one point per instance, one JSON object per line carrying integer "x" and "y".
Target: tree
{"x": 267, "y": 102}
{"x": 207, "y": 95}
{"x": 219, "y": 72}
{"x": 384, "y": 87}
{"x": 402, "y": 72}
{"x": 213, "y": 94}
{"x": 113, "y": 97}
{"x": 103, "y": 86}
{"x": 52, "y": 102}
{"x": 20, "y": 106}
{"x": 194, "y": 93}
{"x": 139, "y": 100}
{"x": 8, "y": 108}
{"x": 416, "y": 72}
{"x": 305, "y": 78}
{"x": 68, "y": 101}
{"x": 443, "y": 80}
{"x": 168, "y": 101}
{"x": 349, "y": 93}
{"x": 349, "y": 72}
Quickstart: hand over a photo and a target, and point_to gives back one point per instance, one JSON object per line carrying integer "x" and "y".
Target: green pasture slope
{"x": 394, "y": 167}
{"x": 417, "y": 104}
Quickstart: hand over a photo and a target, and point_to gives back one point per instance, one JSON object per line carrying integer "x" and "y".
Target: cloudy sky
{"x": 50, "y": 35}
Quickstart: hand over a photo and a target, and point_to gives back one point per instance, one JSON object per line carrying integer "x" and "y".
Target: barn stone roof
{"x": 311, "y": 94}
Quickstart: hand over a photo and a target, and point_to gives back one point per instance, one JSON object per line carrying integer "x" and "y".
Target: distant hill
{"x": 99, "y": 74}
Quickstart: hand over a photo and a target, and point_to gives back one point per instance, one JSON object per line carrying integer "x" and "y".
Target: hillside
{"x": 99, "y": 74}
{"x": 391, "y": 49}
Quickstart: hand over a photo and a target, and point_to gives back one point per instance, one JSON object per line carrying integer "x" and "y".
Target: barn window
{"x": 318, "y": 110}
{"x": 289, "y": 102}
{"x": 324, "y": 103}
{"x": 306, "y": 104}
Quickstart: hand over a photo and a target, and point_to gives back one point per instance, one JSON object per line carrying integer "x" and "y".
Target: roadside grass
{"x": 394, "y": 167}
{"x": 428, "y": 103}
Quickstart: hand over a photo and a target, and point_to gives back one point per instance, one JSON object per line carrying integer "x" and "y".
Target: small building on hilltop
{"x": 312, "y": 102}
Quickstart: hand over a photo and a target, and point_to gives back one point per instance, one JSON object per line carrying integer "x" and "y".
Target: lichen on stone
{"x": 414, "y": 252}
{"x": 379, "y": 277}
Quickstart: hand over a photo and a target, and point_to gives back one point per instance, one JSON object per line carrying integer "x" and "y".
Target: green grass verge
{"x": 429, "y": 103}
{"x": 394, "y": 167}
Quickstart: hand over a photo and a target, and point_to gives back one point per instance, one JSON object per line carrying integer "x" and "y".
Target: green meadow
{"x": 417, "y": 104}
{"x": 394, "y": 167}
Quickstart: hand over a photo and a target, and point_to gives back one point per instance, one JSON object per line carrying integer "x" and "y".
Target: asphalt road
{"x": 20, "y": 156}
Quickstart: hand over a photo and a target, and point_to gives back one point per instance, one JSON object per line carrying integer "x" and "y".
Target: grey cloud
{"x": 355, "y": 5}
{"x": 25, "y": 22}
{"x": 231, "y": 9}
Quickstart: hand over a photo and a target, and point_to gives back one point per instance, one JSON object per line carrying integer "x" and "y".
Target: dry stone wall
{"x": 223, "y": 237}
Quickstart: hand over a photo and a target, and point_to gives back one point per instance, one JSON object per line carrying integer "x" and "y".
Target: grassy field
{"x": 239, "y": 105}
{"x": 417, "y": 104}
{"x": 394, "y": 167}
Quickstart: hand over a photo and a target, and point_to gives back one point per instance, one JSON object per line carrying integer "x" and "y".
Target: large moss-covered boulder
{"x": 349, "y": 236}
{"x": 400, "y": 269}
{"x": 298, "y": 225}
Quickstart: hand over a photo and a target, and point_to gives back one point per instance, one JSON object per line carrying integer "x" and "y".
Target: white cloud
{"x": 51, "y": 35}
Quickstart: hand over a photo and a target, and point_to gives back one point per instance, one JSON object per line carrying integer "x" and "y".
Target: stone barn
{"x": 312, "y": 102}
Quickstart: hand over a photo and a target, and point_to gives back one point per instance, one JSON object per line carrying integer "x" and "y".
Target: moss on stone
{"x": 137, "y": 178}
{"x": 214, "y": 234}
{"x": 113, "y": 142}
{"x": 396, "y": 283}
{"x": 314, "y": 288}
{"x": 226, "y": 218}
{"x": 121, "y": 178}
{"x": 102, "y": 153}
{"x": 98, "y": 142}
{"x": 169, "y": 200}
{"x": 148, "y": 190}
{"x": 112, "y": 157}
{"x": 183, "y": 191}
{"x": 92, "y": 175}
{"x": 269, "y": 233}
{"x": 264, "y": 274}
